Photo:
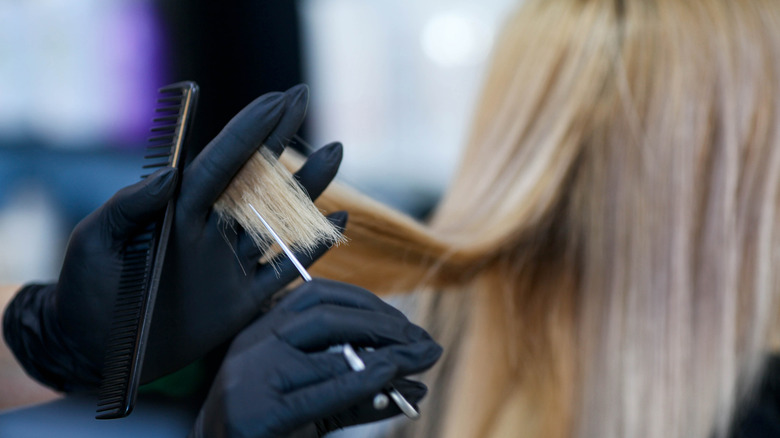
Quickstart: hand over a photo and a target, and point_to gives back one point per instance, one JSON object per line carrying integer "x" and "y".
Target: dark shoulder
{"x": 759, "y": 415}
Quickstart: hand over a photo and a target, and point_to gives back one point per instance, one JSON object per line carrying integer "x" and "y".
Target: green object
{"x": 183, "y": 383}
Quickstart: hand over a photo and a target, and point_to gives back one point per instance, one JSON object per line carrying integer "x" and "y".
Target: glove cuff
{"x": 33, "y": 335}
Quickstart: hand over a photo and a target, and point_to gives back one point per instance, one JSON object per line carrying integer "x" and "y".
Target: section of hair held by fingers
{"x": 268, "y": 185}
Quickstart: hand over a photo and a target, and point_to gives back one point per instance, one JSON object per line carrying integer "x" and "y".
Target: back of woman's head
{"x": 632, "y": 148}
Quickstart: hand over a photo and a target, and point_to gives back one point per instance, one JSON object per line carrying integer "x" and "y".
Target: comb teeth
{"x": 113, "y": 400}
{"x": 166, "y": 130}
{"x": 142, "y": 262}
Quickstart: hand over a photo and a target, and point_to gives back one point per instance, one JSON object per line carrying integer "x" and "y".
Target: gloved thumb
{"x": 137, "y": 205}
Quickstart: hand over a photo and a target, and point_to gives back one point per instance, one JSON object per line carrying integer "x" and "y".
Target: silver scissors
{"x": 354, "y": 361}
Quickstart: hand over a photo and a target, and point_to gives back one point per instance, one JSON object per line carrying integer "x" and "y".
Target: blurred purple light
{"x": 135, "y": 51}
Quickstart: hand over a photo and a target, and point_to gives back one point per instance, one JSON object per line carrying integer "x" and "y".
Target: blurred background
{"x": 394, "y": 80}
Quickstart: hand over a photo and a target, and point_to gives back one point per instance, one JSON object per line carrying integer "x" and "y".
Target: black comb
{"x": 143, "y": 259}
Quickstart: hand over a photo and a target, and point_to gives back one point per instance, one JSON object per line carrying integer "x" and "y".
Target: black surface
{"x": 760, "y": 416}
{"x": 235, "y": 51}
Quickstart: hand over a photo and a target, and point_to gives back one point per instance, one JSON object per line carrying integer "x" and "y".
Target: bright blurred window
{"x": 78, "y": 74}
{"x": 395, "y": 81}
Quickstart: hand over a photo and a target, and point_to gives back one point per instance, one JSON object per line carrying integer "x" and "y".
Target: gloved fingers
{"x": 340, "y": 392}
{"x": 307, "y": 369}
{"x": 297, "y": 102}
{"x": 365, "y": 412}
{"x": 411, "y": 358}
{"x": 214, "y": 168}
{"x": 324, "y": 291}
{"x": 320, "y": 169}
{"x": 319, "y": 327}
{"x": 137, "y": 205}
{"x": 274, "y": 275}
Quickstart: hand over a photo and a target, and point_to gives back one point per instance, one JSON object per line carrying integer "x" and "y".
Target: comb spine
{"x": 132, "y": 317}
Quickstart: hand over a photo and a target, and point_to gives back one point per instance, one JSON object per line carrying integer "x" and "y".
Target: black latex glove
{"x": 277, "y": 379}
{"x": 206, "y": 295}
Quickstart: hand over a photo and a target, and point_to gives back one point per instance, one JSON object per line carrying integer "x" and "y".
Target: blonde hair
{"x": 266, "y": 187}
{"x": 604, "y": 263}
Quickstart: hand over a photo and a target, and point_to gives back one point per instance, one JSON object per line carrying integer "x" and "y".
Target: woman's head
{"x": 631, "y": 150}
{"x": 641, "y": 139}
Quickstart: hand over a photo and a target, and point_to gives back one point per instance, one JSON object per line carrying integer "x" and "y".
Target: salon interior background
{"x": 394, "y": 80}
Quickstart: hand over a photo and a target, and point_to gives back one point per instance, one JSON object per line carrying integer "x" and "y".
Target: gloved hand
{"x": 206, "y": 295}
{"x": 277, "y": 378}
